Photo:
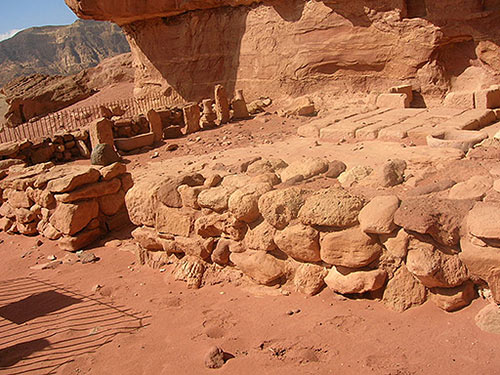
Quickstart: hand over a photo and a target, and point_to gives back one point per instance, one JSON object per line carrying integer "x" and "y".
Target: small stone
{"x": 488, "y": 319}
{"x": 103, "y": 154}
{"x": 335, "y": 169}
{"x": 96, "y": 288}
{"x": 214, "y": 358}
{"x": 51, "y": 257}
{"x": 86, "y": 257}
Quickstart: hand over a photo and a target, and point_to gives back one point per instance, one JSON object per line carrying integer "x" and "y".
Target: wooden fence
{"x": 79, "y": 118}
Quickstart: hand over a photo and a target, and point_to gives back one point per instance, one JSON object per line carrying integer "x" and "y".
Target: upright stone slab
{"x": 221, "y": 105}
{"x": 192, "y": 115}
{"x": 403, "y": 89}
{"x": 240, "y": 110}
{"x": 101, "y": 131}
{"x": 156, "y": 125}
{"x": 208, "y": 118}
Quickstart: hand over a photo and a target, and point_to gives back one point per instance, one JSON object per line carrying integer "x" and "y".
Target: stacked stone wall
{"x": 258, "y": 223}
{"x": 73, "y": 205}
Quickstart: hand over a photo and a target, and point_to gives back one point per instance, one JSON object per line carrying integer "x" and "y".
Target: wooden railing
{"x": 79, "y": 118}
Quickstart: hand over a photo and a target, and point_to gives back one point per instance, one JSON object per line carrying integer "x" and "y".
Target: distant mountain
{"x": 59, "y": 50}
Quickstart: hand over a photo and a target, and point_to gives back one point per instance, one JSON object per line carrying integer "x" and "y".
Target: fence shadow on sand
{"x": 44, "y": 326}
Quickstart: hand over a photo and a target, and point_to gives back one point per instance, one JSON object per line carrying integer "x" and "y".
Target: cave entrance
{"x": 416, "y": 8}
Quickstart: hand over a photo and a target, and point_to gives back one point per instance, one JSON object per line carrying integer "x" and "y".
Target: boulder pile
{"x": 73, "y": 205}
{"x": 401, "y": 251}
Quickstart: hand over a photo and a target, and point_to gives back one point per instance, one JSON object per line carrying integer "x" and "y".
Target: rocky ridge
{"x": 59, "y": 50}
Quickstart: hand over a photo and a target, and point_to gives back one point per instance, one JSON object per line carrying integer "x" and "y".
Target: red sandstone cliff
{"x": 294, "y": 47}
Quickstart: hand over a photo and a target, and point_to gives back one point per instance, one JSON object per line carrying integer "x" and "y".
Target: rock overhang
{"x": 125, "y": 11}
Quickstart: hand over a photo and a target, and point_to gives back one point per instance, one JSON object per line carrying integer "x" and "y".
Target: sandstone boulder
{"x": 390, "y": 174}
{"x": 173, "y": 221}
{"x": 482, "y": 261}
{"x": 483, "y": 220}
{"x": 403, "y": 291}
{"x": 19, "y": 199}
{"x": 244, "y": 202}
{"x": 279, "y": 207}
{"x": 212, "y": 180}
{"x": 261, "y": 267}
{"x": 440, "y": 218}
{"x": 90, "y": 191}
{"x": 475, "y": 188}
{"x": 309, "y": 278}
{"x": 73, "y": 179}
{"x": 396, "y": 243}
{"x": 167, "y": 188}
{"x": 302, "y": 106}
{"x": 216, "y": 225}
{"x": 110, "y": 204}
{"x": 393, "y": 101}
{"x": 452, "y": 299}
{"x": 24, "y": 216}
{"x": 70, "y": 218}
{"x": 263, "y": 166}
{"x": 345, "y": 281}
{"x": 221, "y": 105}
{"x": 147, "y": 238}
{"x": 333, "y": 207}
{"x": 9, "y": 148}
{"x": 299, "y": 242}
{"x": 113, "y": 170}
{"x": 350, "y": 248}
{"x": 189, "y": 196}
{"x": 354, "y": 175}
{"x": 141, "y": 201}
{"x": 433, "y": 267}
{"x": 222, "y": 251}
{"x": 195, "y": 247}
{"x": 378, "y": 215}
{"x": 192, "y": 116}
{"x": 260, "y": 236}
{"x": 43, "y": 198}
{"x": 307, "y": 168}
{"x": 80, "y": 240}
{"x": 216, "y": 199}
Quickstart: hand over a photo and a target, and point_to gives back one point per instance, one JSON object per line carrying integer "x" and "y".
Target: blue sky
{"x": 17, "y": 15}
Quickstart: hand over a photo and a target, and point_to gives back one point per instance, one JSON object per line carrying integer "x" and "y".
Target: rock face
{"x": 40, "y": 94}
{"x": 59, "y": 49}
{"x": 323, "y": 42}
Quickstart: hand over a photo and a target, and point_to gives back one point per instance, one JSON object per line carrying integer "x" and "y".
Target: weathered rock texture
{"x": 295, "y": 47}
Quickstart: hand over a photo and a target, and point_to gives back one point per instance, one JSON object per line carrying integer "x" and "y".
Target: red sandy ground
{"x": 330, "y": 334}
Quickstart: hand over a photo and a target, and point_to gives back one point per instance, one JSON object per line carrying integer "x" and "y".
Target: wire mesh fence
{"x": 79, "y": 118}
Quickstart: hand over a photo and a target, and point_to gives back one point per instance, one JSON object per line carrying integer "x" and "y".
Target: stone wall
{"x": 61, "y": 147}
{"x": 403, "y": 252}
{"x": 73, "y": 205}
